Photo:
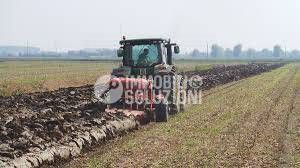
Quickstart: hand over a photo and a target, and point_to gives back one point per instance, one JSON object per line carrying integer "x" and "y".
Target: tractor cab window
{"x": 145, "y": 55}
{"x": 164, "y": 54}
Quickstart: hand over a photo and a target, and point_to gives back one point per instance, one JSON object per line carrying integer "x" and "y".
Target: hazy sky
{"x": 75, "y": 24}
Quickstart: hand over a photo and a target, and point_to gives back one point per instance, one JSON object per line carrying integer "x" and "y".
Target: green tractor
{"x": 148, "y": 68}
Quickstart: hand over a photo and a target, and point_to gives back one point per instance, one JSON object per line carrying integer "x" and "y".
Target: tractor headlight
{"x": 122, "y": 71}
{"x": 160, "y": 68}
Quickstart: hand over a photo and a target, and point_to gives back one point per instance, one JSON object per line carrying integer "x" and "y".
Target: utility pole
{"x": 27, "y": 48}
{"x": 285, "y": 51}
{"x": 207, "y": 55}
{"x": 56, "y": 46}
{"x": 121, "y": 35}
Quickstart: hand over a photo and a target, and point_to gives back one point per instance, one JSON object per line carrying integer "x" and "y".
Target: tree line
{"x": 217, "y": 51}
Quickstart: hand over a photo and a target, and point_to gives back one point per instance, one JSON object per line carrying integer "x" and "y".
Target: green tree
{"x": 216, "y": 51}
{"x": 195, "y": 53}
{"x": 237, "y": 50}
{"x": 265, "y": 53}
{"x": 277, "y": 51}
{"x": 251, "y": 53}
{"x": 228, "y": 52}
{"x": 295, "y": 54}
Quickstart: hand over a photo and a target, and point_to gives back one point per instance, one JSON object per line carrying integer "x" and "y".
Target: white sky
{"x": 75, "y": 24}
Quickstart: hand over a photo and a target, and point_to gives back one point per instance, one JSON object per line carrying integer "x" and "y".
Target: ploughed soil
{"x": 33, "y": 123}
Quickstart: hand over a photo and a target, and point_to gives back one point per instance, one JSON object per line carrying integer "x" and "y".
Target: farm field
{"x": 45, "y": 127}
{"x": 41, "y": 75}
{"x": 31, "y": 76}
{"x": 125, "y": 84}
{"x": 253, "y": 122}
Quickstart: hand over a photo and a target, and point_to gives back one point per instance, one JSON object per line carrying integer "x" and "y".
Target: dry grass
{"x": 291, "y": 155}
{"x": 32, "y": 76}
{"x": 248, "y": 123}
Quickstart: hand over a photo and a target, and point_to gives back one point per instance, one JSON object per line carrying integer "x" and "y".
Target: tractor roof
{"x": 143, "y": 41}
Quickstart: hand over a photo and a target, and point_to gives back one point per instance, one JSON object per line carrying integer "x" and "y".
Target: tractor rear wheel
{"x": 162, "y": 112}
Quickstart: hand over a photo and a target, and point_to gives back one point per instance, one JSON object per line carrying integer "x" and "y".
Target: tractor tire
{"x": 162, "y": 112}
{"x": 182, "y": 107}
{"x": 174, "y": 109}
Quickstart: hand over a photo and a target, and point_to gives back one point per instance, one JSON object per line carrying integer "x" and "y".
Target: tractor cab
{"x": 143, "y": 56}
